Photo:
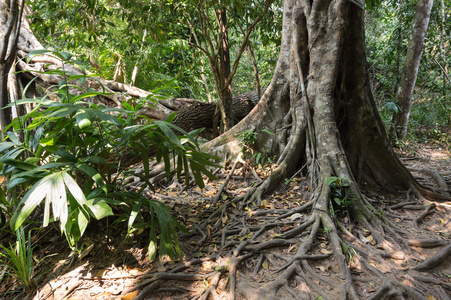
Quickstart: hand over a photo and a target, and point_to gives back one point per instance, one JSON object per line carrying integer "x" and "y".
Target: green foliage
{"x": 388, "y": 30}
{"x": 157, "y": 37}
{"x": 78, "y": 146}
{"x": 248, "y": 139}
{"x": 18, "y": 261}
{"x": 340, "y": 189}
{"x": 349, "y": 252}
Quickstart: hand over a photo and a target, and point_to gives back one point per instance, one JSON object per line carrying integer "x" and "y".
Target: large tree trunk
{"x": 411, "y": 65}
{"x": 320, "y": 108}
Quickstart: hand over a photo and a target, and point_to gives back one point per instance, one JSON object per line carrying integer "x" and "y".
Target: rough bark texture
{"x": 10, "y": 23}
{"x": 411, "y": 65}
{"x": 320, "y": 108}
{"x": 325, "y": 123}
{"x": 224, "y": 106}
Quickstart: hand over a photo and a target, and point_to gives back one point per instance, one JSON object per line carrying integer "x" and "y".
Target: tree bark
{"x": 411, "y": 65}
{"x": 10, "y": 21}
{"x": 325, "y": 122}
{"x": 224, "y": 107}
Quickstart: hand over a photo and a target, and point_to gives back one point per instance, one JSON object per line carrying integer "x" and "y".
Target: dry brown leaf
{"x": 295, "y": 216}
{"x": 102, "y": 296}
{"x": 100, "y": 273}
{"x": 161, "y": 269}
{"x": 130, "y": 296}
{"x": 325, "y": 251}
{"x": 224, "y": 219}
{"x": 86, "y": 251}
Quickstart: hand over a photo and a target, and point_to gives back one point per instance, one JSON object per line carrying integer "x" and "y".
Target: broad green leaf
{"x": 99, "y": 208}
{"x": 267, "y": 131}
{"x": 17, "y": 164}
{"x": 58, "y": 197}
{"x": 168, "y": 132}
{"x": 60, "y": 112}
{"x": 5, "y": 146}
{"x": 91, "y": 172}
{"x": 74, "y": 189}
{"x": 127, "y": 106}
{"x": 66, "y": 156}
{"x": 88, "y": 95}
{"x": 133, "y": 216}
{"x": 95, "y": 159}
{"x": 35, "y": 53}
{"x": 3, "y": 198}
{"x": 32, "y": 199}
{"x": 152, "y": 248}
{"x": 107, "y": 118}
{"x": 145, "y": 159}
{"x": 163, "y": 218}
{"x": 13, "y": 137}
{"x": 30, "y": 176}
{"x": 186, "y": 134}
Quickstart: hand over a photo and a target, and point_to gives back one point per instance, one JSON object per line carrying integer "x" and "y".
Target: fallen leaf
{"x": 102, "y": 295}
{"x": 130, "y": 296}
{"x": 429, "y": 297}
{"x": 224, "y": 219}
{"x": 265, "y": 265}
{"x": 161, "y": 269}
{"x": 325, "y": 251}
{"x": 86, "y": 251}
{"x": 296, "y": 216}
{"x": 100, "y": 273}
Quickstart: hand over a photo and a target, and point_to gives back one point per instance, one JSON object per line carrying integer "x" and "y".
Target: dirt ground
{"x": 113, "y": 266}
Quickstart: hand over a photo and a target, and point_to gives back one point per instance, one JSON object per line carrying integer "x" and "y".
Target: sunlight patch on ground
{"x": 435, "y": 153}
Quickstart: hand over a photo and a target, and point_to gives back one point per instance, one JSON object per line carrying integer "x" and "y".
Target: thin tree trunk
{"x": 254, "y": 63}
{"x": 409, "y": 76}
{"x": 225, "y": 88}
{"x": 202, "y": 67}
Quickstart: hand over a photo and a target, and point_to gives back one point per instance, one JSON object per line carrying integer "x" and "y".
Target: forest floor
{"x": 111, "y": 266}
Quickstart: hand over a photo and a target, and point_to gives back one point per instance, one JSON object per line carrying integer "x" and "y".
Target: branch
{"x": 244, "y": 43}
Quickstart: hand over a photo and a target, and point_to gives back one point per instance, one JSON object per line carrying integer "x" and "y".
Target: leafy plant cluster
{"x": 158, "y": 39}
{"x": 248, "y": 138}
{"x": 389, "y": 28}
{"x": 66, "y": 161}
{"x": 340, "y": 190}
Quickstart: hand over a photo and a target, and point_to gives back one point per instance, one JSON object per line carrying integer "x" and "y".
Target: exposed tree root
{"x": 435, "y": 260}
{"x": 306, "y": 252}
